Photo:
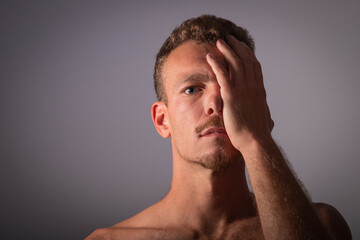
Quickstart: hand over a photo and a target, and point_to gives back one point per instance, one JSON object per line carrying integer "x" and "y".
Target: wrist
{"x": 256, "y": 146}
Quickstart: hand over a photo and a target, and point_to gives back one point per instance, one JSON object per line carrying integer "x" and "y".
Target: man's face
{"x": 194, "y": 107}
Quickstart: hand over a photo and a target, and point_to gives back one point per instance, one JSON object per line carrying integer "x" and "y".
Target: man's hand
{"x": 245, "y": 111}
{"x": 284, "y": 209}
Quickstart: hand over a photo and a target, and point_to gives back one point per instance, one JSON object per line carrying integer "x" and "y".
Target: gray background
{"x": 78, "y": 147}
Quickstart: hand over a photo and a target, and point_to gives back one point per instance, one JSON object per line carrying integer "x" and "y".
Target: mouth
{"x": 213, "y": 132}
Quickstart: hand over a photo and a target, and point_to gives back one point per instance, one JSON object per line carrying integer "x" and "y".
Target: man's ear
{"x": 159, "y": 116}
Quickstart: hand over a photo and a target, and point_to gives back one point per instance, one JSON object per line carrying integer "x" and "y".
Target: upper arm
{"x": 333, "y": 221}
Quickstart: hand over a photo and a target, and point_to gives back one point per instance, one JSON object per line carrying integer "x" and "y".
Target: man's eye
{"x": 191, "y": 90}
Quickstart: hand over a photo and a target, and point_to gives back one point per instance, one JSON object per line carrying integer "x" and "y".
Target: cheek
{"x": 186, "y": 114}
{"x": 188, "y": 108}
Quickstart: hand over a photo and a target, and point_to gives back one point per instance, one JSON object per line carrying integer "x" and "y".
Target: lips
{"x": 214, "y": 131}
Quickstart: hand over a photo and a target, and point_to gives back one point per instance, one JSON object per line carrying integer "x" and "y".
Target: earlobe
{"x": 158, "y": 113}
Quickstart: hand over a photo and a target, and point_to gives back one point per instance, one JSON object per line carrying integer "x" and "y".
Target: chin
{"x": 220, "y": 160}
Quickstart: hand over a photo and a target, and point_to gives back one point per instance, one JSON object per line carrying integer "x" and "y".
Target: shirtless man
{"x": 212, "y": 104}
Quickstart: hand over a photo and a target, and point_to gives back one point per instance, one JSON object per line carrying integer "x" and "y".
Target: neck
{"x": 204, "y": 197}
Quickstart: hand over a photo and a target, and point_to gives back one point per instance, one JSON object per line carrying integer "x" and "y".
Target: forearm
{"x": 285, "y": 211}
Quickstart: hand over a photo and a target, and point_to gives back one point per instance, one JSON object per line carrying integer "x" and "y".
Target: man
{"x": 212, "y": 103}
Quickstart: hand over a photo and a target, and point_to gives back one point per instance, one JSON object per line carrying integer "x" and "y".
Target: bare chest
{"x": 244, "y": 230}
{"x": 238, "y": 231}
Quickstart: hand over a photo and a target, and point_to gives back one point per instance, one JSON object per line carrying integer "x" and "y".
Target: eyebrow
{"x": 196, "y": 77}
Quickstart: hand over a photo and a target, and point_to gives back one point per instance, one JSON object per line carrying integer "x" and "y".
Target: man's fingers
{"x": 272, "y": 124}
{"x": 238, "y": 47}
{"x": 233, "y": 60}
{"x": 259, "y": 78}
{"x": 247, "y": 56}
{"x": 271, "y": 121}
{"x": 228, "y": 53}
{"x": 221, "y": 74}
{"x": 257, "y": 67}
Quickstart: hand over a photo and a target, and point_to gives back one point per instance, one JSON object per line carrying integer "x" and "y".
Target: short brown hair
{"x": 203, "y": 29}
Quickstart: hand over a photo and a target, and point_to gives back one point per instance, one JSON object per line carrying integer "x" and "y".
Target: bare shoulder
{"x": 333, "y": 221}
{"x": 148, "y": 224}
{"x": 149, "y": 218}
{"x": 118, "y": 233}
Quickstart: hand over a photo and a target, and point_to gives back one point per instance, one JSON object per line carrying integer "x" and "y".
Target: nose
{"x": 214, "y": 103}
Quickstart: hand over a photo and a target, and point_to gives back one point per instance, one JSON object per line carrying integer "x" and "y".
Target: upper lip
{"x": 213, "y": 130}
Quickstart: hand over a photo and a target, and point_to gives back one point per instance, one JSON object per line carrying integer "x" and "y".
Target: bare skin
{"x": 209, "y": 197}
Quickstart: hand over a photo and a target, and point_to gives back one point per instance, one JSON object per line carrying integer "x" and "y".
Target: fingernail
{"x": 211, "y": 55}
{"x": 229, "y": 36}
{"x": 222, "y": 41}
{"x": 244, "y": 44}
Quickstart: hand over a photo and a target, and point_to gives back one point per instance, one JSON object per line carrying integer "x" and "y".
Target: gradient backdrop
{"x": 78, "y": 150}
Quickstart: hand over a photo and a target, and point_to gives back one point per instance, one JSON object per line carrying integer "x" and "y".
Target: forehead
{"x": 188, "y": 58}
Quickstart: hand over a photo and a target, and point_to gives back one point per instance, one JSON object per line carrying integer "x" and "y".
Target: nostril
{"x": 210, "y": 111}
